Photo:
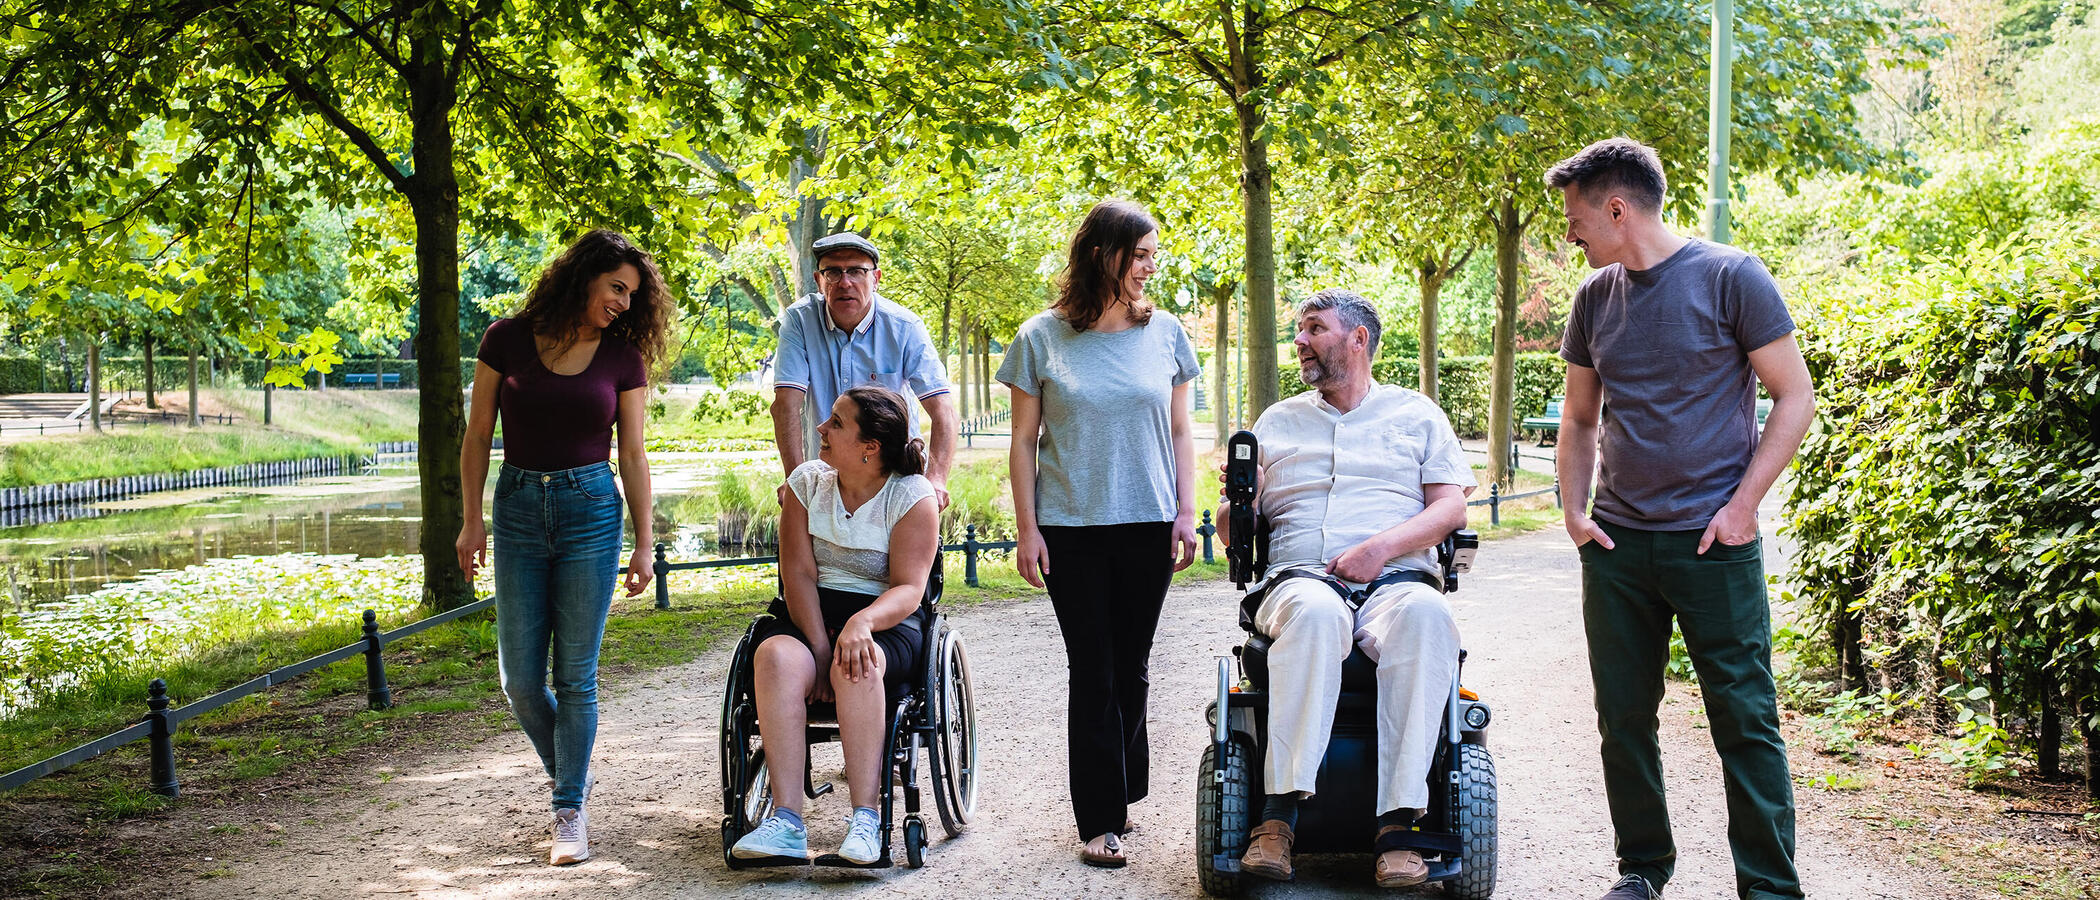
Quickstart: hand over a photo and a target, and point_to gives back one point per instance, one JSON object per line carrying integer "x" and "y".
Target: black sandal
{"x": 1109, "y": 857}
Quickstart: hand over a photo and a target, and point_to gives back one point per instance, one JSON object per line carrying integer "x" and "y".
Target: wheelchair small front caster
{"x": 914, "y": 842}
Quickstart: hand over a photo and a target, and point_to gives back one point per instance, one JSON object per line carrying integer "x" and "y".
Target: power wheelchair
{"x": 1457, "y": 834}
{"x": 936, "y": 713}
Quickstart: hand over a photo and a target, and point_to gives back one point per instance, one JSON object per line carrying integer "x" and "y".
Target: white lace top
{"x": 853, "y": 546}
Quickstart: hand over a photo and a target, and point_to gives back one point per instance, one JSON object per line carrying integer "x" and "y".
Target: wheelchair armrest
{"x": 1454, "y": 555}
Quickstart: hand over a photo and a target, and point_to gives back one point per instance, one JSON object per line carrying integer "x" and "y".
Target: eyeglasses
{"x": 844, "y": 273}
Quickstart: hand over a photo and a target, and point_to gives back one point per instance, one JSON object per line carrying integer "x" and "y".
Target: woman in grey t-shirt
{"x": 1103, "y": 468}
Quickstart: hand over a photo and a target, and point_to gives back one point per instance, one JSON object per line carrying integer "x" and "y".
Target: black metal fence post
{"x": 377, "y": 694}
{"x": 163, "y": 738}
{"x": 662, "y": 567}
{"x": 1556, "y": 493}
{"x": 1494, "y": 504}
{"x": 970, "y": 555}
{"x": 1206, "y": 529}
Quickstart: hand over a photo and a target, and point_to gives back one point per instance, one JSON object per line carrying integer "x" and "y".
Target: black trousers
{"x": 1107, "y": 583}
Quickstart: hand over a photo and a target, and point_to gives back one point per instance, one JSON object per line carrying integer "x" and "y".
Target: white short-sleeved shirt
{"x": 853, "y": 546}
{"x": 1332, "y": 480}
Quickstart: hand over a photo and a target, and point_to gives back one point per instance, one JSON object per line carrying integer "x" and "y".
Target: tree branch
{"x": 332, "y": 112}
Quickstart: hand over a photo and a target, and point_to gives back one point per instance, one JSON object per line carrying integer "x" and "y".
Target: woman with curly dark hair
{"x": 562, "y": 373}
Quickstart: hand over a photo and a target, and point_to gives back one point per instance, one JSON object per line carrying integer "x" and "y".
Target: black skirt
{"x": 901, "y": 645}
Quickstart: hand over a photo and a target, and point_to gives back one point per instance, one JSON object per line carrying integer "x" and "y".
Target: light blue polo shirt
{"x": 890, "y": 347}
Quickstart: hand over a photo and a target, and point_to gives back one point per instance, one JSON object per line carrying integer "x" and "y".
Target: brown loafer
{"x": 1400, "y": 868}
{"x": 1269, "y": 851}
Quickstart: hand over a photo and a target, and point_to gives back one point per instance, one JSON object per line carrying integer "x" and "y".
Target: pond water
{"x": 374, "y": 514}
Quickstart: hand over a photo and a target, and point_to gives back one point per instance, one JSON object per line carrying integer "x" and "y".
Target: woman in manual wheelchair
{"x": 858, "y": 539}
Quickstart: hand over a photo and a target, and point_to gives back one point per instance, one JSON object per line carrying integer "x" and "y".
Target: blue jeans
{"x": 557, "y": 545}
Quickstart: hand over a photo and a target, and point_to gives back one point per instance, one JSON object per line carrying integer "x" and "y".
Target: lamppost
{"x": 1717, "y": 122}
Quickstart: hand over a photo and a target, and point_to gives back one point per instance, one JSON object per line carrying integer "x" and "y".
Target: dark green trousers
{"x": 1629, "y": 595}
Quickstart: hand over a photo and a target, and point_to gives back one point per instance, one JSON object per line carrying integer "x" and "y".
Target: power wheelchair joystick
{"x": 1242, "y": 471}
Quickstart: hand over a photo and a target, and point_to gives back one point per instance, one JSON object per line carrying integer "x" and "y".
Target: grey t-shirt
{"x": 1107, "y": 451}
{"x": 1671, "y": 345}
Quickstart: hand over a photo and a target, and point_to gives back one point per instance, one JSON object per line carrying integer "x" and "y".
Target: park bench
{"x": 1546, "y": 423}
{"x": 374, "y": 379}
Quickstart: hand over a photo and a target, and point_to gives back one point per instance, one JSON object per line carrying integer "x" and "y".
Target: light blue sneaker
{"x": 861, "y": 847}
{"x": 773, "y": 837}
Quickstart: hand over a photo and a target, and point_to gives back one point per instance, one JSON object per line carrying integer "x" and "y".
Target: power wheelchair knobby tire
{"x": 1224, "y": 808}
{"x": 1473, "y": 817}
{"x": 952, "y": 754}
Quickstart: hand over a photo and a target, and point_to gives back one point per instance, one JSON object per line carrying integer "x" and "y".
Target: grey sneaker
{"x": 572, "y": 838}
{"x": 861, "y": 846}
{"x": 1632, "y": 887}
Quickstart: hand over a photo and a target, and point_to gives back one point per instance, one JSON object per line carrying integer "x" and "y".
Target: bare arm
{"x": 474, "y": 466}
{"x": 1785, "y": 375}
{"x": 944, "y": 423}
{"x": 632, "y": 418}
{"x": 1443, "y": 512}
{"x": 1184, "y": 541}
{"x": 798, "y": 579}
{"x": 787, "y": 429}
{"x": 1576, "y": 460}
{"x": 1029, "y": 555}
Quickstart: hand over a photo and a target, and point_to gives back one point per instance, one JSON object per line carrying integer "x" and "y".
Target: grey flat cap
{"x": 845, "y": 240}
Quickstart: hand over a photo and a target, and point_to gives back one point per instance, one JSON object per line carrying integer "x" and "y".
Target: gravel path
{"x": 471, "y": 823}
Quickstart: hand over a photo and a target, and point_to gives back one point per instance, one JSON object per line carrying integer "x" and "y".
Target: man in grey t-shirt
{"x": 1662, "y": 344}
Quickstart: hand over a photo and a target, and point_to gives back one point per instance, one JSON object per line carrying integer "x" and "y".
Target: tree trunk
{"x": 194, "y": 420}
{"x": 2049, "y": 737}
{"x": 984, "y": 369}
{"x": 151, "y": 401}
{"x": 433, "y": 197}
{"x": 1509, "y": 233}
{"x": 269, "y": 390}
{"x": 1221, "y": 351}
{"x": 808, "y": 223}
{"x": 2089, "y": 736}
{"x": 1257, "y": 186}
{"x": 94, "y": 377}
{"x": 962, "y": 375}
{"x": 1433, "y": 275}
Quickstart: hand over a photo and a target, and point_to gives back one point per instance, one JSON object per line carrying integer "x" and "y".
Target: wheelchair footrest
{"x": 1224, "y": 862}
{"x": 764, "y": 862}
{"x": 1423, "y": 842}
{"x": 1445, "y": 869}
{"x": 836, "y": 861}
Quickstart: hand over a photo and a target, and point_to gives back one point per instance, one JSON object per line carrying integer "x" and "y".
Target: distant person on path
{"x": 1359, "y": 481}
{"x": 562, "y": 373}
{"x": 1662, "y": 344}
{"x": 847, "y": 335}
{"x": 1103, "y": 467}
{"x": 857, "y": 542}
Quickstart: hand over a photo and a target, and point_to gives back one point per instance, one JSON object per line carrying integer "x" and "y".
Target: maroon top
{"x": 553, "y": 422}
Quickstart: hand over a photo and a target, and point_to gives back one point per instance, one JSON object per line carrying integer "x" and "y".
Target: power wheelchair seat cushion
{"x": 1359, "y": 672}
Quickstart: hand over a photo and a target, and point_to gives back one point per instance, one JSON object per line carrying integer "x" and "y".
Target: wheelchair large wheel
{"x": 952, "y": 757}
{"x": 745, "y": 787}
{"x": 1224, "y": 807}
{"x": 1473, "y": 815}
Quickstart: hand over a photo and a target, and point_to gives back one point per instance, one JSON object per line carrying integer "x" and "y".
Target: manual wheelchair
{"x": 1457, "y": 834}
{"x": 936, "y": 713}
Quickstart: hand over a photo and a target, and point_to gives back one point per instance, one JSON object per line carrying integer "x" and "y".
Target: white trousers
{"x": 1407, "y": 629}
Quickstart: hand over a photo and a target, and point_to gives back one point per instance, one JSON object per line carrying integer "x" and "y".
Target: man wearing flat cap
{"x": 847, "y": 335}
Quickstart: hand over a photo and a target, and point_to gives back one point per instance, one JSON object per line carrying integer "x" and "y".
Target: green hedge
{"x": 1463, "y": 383}
{"x": 23, "y": 376}
{"x": 1945, "y": 504}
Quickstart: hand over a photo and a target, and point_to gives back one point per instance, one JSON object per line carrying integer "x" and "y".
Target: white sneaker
{"x": 773, "y": 837}
{"x": 572, "y": 838}
{"x": 861, "y": 846}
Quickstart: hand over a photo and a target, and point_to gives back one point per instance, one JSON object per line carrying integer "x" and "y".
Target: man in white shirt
{"x": 1359, "y": 482}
